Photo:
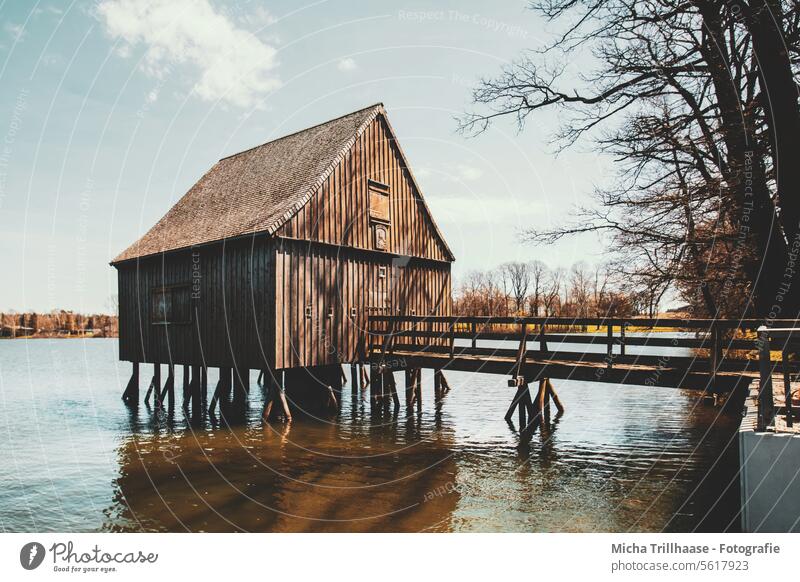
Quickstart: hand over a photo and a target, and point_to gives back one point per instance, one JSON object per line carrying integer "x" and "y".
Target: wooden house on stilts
{"x": 275, "y": 258}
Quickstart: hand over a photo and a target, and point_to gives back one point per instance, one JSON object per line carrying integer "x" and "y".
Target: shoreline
{"x": 65, "y": 337}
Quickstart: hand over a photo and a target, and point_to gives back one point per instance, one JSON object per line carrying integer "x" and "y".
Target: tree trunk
{"x": 779, "y": 92}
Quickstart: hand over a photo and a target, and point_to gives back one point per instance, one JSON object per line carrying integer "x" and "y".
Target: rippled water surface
{"x": 622, "y": 458}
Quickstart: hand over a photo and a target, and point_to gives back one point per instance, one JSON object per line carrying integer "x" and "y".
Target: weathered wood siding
{"x": 324, "y": 294}
{"x": 339, "y": 213}
{"x": 231, "y": 301}
{"x": 301, "y": 297}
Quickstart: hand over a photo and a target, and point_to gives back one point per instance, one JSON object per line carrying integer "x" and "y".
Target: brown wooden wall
{"x": 251, "y": 308}
{"x": 330, "y": 281}
{"x": 339, "y": 213}
{"x": 232, "y": 307}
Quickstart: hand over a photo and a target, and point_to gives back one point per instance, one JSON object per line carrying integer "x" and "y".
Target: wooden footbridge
{"x": 715, "y": 356}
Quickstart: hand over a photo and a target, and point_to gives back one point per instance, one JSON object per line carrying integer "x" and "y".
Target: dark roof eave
{"x": 116, "y": 262}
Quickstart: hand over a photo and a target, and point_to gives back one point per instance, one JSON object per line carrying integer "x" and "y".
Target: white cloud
{"x": 347, "y": 64}
{"x": 234, "y": 66}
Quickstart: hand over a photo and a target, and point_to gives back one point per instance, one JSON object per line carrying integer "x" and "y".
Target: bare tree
{"x": 580, "y": 289}
{"x": 518, "y": 276}
{"x": 538, "y": 271}
{"x": 698, "y": 103}
{"x": 552, "y": 293}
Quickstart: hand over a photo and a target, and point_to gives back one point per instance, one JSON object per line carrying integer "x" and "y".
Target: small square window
{"x": 171, "y": 304}
{"x": 353, "y": 312}
{"x": 330, "y": 311}
{"x": 382, "y": 272}
{"x": 308, "y": 311}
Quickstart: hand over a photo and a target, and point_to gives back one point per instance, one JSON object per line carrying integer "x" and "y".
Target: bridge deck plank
{"x": 571, "y": 369}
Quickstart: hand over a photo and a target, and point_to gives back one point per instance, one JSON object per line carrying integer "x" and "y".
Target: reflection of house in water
{"x": 262, "y": 479}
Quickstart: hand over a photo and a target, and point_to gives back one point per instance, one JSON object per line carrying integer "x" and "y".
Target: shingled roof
{"x": 256, "y": 190}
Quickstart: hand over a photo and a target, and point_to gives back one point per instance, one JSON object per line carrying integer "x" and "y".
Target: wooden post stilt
{"x": 787, "y": 386}
{"x": 186, "y": 396}
{"x": 150, "y": 389}
{"x": 452, "y": 340}
{"x": 445, "y": 385}
{"x": 131, "y": 393}
{"x": 332, "y": 402}
{"x": 276, "y": 397}
{"x": 190, "y": 378}
{"x": 157, "y": 401}
{"x": 221, "y": 390}
{"x": 523, "y": 406}
{"x": 393, "y": 389}
{"x": 169, "y": 387}
{"x": 409, "y": 373}
{"x": 534, "y": 414}
{"x": 269, "y": 400}
{"x": 766, "y": 397}
{"x": 418, "y": 386}
{"x": 354, "y": 378}
{"x": 515, "y": 402}
{"x": 552, "y": 393}
{"x": 282, "y": 397}
{"x": 716, "y": 355}
{"x": 195, "y": 390}
{"x": 260, "y": 379}
{"x": 344, "y": 376}
{"x": 203, "y": 387}
{"x": 241, "y": 384}
{"x": 376, "y": 384}
{"x": 541, "y": 395}
{"x": 437, "y": 384}
{"x": 386, "y": 383}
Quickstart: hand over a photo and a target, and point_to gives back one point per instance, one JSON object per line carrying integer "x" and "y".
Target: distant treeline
{"x": 57, "y": 323}
{"x": 533, "y": 289}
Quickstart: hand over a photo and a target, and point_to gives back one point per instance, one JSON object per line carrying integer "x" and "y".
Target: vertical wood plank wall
{"x": 339, "y": 213}
{"x": 232, "y": 309}
{"x": 255, "y": 293}
{"x": 317, "y": 285}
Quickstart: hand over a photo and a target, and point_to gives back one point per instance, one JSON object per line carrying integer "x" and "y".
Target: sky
{"x": 111, "y": 109}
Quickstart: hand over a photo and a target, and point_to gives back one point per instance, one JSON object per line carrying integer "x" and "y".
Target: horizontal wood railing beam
{"x": 631, "y": 322}
{"x": 430, "y": 341}
{"x": 651, "y": 361}
{"x": 535, "y": 370}
{"x": 599, "y": 339}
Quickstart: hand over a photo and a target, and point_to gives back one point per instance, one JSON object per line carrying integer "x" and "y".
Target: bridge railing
{"x": 728, "y": 345}
{"x": 786, "y": 340}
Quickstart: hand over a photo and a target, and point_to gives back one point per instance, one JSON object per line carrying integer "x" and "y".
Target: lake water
{"x": 622, "y": 458}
